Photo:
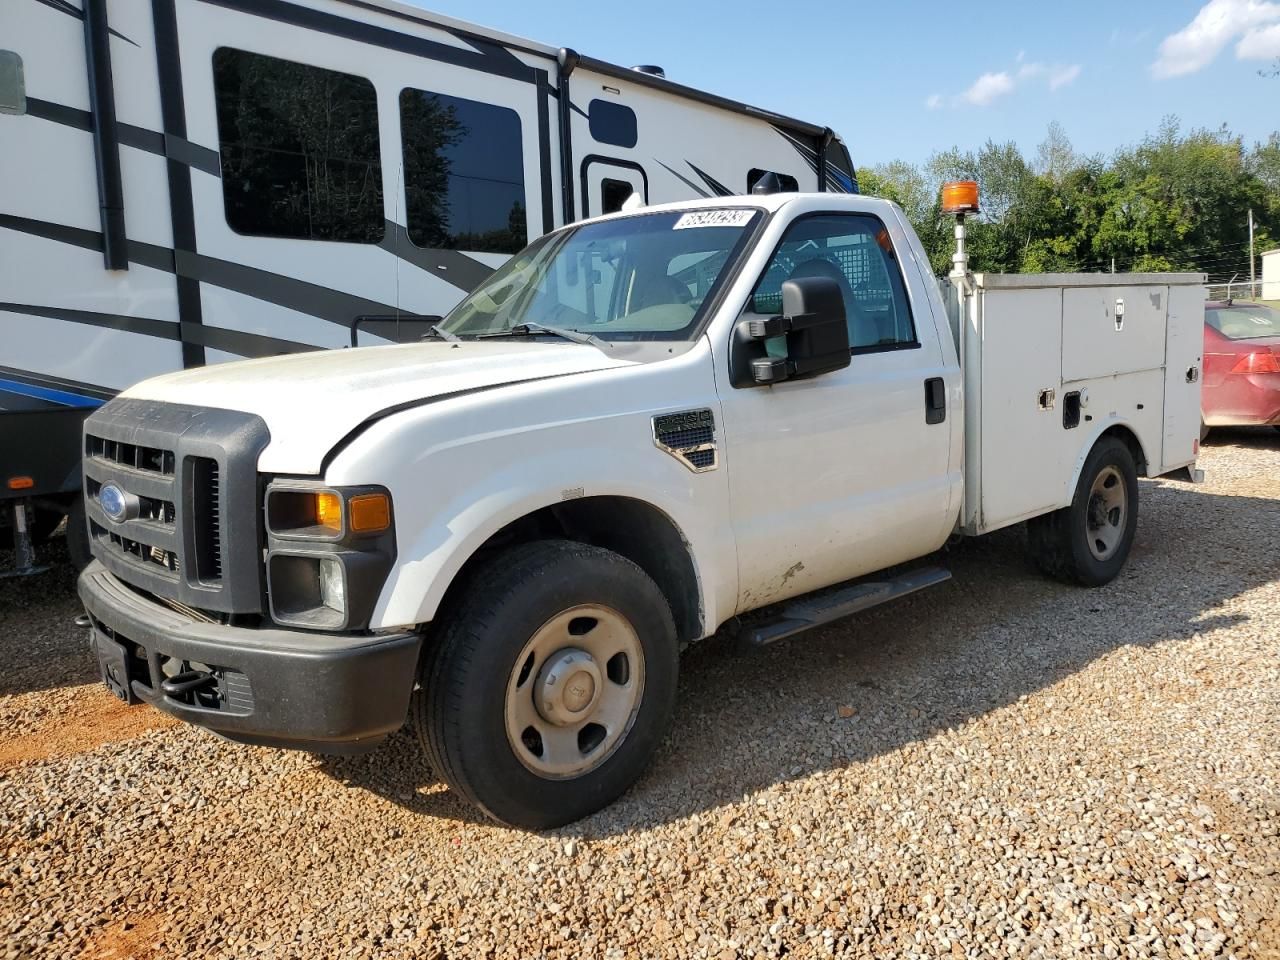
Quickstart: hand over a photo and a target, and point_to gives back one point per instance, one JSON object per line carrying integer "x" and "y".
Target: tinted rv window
{"x": 612, "y": 123}
{"x": 463, "y": 173}
{"x": 299, "y": 148}
{"x": 613, "y": 194}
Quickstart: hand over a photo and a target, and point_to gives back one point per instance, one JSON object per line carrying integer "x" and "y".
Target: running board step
{"x": 816, "y": 609}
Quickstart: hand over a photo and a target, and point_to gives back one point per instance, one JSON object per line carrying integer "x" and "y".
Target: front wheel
{"x": 550, "y": 686}
{"x": 1088, "y": 542}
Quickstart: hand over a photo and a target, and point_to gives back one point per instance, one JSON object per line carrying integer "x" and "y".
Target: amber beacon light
{"x": 960, "y": 196}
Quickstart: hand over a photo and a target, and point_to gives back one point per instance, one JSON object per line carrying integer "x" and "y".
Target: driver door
{"x": 837, "y": 476}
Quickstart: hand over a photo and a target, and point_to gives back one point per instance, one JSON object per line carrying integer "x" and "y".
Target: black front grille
{"x": 206, "y": 498}
{"x": 191, "y": 529}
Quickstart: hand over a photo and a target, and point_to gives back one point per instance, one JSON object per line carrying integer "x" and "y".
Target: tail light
{"x": 1258, "y": 362}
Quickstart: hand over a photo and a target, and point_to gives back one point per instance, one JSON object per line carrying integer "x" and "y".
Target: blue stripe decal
{"x": 62, "y": 397}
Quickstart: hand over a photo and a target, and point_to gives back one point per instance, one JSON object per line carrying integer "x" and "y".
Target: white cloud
{"x": 1217, "y": 23}
{"x": 994, "y": 84}
{"x": 1260, "y": 44}
{"x": 1061, "y": 76}
{"x": 988, "y": 87}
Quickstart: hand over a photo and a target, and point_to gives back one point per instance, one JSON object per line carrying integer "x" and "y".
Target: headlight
{"x": 329, "y": 550}
{"x": 310, "y": 514}
{"x": 333, "y": 593}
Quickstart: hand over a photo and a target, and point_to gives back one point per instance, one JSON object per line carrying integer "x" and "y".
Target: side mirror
{"x": 816, "y": 335}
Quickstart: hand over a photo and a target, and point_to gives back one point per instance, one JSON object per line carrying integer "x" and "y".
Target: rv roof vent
{"x": 652, "y": 69}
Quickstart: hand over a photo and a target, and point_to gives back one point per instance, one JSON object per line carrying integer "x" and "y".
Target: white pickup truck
{"x": 639, "y": 428}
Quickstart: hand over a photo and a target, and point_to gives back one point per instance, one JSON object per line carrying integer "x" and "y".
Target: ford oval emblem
{"x": 114, "y": 503}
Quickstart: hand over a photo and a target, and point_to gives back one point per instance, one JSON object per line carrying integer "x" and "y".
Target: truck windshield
{"x": 644, "y": 277}
{"x": 1244, "y": 321}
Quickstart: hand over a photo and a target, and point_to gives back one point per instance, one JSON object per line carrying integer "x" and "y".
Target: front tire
{"x": 1088, "y": 542}
{"x": 551, "y": 685}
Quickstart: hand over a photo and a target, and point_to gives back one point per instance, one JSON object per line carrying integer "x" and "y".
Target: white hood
{"x": 311, "y": 400}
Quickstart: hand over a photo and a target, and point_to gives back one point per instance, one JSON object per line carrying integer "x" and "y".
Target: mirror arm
{"x": 768, "y": 327}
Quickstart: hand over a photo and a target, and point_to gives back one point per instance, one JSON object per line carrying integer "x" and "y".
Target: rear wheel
{"x": 1088, "y": 542}
{"x": 551, "y": 685}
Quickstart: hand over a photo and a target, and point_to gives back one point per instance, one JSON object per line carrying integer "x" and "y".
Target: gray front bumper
{"x": 334, "y": 693}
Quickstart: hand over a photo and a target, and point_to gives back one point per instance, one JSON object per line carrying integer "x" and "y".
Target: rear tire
{"x": 525, "y": 707}
{"x": 1088, "y": 542}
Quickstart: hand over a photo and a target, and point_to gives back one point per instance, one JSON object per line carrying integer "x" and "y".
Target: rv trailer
{"x": 194, "y": 181}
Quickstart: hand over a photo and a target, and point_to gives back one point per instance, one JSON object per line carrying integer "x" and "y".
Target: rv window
{"x": 612, "y": 123}
{"x": 613, "y": 194}
{"x": 13, "y": 92}
{"x": 463, "y": 173}
{"x": 299, "y": 148}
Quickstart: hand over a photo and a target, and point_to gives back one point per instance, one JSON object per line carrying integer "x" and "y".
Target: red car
{"x": 1241, "y": 365}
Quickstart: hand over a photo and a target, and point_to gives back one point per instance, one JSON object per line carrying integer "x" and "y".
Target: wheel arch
{"x": 1123, "y": 432}
{"x": 632, "y": 528}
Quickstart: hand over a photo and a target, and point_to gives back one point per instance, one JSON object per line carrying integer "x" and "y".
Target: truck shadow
{"x": 999, "y": 631}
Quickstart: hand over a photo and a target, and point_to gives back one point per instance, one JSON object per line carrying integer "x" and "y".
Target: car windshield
{"x": 643, "y": 277}
{"x": 1244, "y": 321}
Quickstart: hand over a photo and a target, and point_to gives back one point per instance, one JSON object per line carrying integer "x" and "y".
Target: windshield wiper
{"x": 530, "y": 328}
{"x": 443, "y": 334}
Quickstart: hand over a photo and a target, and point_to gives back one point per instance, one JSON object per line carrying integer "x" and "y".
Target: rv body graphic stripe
{"x": 92, "y": 390}
{"x": 336, "y": 306}
{"x": 175, "y": 148}
{"x": 505, "y": 66}
{"x": 181, "y": 205}
{"x": 238, "y": 342}
{"x": 449, "y": 265}
{"x": 63, "y": 7}
{"x": 683, "y": 179}
{"x": 60, "y": 397}
{"x": 716, "y": 186}
{"x": 423, "y": 19}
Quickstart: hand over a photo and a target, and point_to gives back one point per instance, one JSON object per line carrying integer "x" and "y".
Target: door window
{"x": 463, "y": 173}
{"x": 299, "y": 149}
{"x": 856, "y": 252}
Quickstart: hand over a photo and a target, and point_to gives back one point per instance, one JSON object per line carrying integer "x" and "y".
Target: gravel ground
{"x": 1001, "y": 766}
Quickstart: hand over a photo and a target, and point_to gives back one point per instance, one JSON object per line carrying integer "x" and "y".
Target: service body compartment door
{"x": 1184, "y": 366}
{"x": 1021, "y": 465}
{"x": 1110, "y": 330}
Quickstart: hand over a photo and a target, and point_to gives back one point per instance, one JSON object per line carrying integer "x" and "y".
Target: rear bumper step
{"x": 823, "y": 607}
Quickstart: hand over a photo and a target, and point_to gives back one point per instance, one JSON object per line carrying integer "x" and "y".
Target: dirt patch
{"x": 92, "y": 717}
{"x": 133, "y": 939}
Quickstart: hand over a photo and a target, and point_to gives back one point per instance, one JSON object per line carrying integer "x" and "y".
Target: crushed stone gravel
{"x": 999, "y": 767}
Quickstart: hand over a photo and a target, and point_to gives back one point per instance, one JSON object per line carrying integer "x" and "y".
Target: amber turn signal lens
{"x": 370, "y": 512}
{"x": 21, "y": 483}
{"x": 960, "y": 196}
{"x": 329, "y": 510}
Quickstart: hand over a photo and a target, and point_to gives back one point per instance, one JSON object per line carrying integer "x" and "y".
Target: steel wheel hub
{"x": 574, "y": 691}
{"x": 568, "y": 684}
{"x": 1107, "y": 512}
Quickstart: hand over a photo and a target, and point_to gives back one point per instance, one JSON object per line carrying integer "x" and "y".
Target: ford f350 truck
{"x": 640, "y": 427}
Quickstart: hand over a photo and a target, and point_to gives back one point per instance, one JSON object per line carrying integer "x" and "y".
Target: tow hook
{"x": 186, "y": 682}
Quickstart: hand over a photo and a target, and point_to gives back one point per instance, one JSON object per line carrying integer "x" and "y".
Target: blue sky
{"x": 899, "y": 79}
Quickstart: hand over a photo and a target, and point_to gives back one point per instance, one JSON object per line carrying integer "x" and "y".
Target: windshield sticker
{"x": 714, "y": 218}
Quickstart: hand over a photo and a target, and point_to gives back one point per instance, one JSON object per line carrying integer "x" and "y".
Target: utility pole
{"x": 1252, "y": 289}
{"x": 1113, "y": 264}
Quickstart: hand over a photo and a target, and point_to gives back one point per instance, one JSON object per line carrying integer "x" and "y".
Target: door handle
{"x": 935, "y": 400}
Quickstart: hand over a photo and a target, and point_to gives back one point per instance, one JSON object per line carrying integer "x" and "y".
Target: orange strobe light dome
{"x": 960, "y": 196}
